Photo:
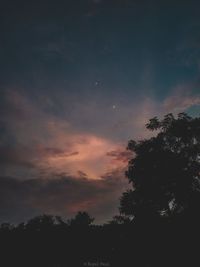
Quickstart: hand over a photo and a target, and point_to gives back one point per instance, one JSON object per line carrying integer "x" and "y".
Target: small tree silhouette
{"x": 120, "y": 219}
{"x": 81, "y": 219}
{"x": 6, "y": 227}
{"x": 41, "y": 223}
{"x": 165, "y": 170}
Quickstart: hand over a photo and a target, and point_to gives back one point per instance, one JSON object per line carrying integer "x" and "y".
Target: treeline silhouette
{"x": 158, "y": 222}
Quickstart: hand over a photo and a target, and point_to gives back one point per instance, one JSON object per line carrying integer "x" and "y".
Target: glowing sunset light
{"x": 88, "y": 154}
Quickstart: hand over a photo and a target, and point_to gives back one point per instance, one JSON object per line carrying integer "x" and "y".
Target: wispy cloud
{"x": 181, "y": 100}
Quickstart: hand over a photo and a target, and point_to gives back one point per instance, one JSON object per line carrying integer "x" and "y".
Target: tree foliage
{"x": 81, "y": 219}
{"x": 165, "y": 169}
{"x": 42, "y": 222}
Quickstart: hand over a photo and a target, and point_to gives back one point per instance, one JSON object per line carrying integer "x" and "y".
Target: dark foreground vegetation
{"x": 159, "y": 221}
{"x": 147, "y": 244}
{"x": 56, "y": 244}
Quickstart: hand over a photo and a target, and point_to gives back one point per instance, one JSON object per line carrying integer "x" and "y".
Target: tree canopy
{"x": 165, "y": 170}
{"x": 81, "y": 219}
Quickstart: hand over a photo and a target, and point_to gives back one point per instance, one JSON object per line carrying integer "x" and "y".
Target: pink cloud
{"x": 53, "y": 145}
{"x": 181, "y": 100}
{"x": 120, "y": 155}
{"x": 90, "y": 159}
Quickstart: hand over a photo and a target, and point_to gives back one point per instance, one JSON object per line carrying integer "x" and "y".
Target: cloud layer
{"x": 63, "y": 196}
{"x": 38, "y": 142}
{"x": 48, "y": 164}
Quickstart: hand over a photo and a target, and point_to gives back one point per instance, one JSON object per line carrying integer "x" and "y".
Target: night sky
{"x": 78, "y": 79}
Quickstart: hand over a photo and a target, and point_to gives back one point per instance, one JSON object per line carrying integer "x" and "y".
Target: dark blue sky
{"x": 122, "y": 44}
{"x": 78, "y": 80}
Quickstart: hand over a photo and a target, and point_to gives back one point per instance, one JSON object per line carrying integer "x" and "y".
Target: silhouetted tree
{"x": 165, "y": 170}
{"x": 120, "y": 219}
{"x": 41, "y": 223}
{"x": 6, "y": 227}
{"x": 81, "y": 219}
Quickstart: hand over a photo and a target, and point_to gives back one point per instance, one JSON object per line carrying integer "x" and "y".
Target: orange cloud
{"x": 90, "y": 157}
{"x": 52, "y": 144}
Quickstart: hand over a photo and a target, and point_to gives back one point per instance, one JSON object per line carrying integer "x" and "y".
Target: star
{"x": 97, "y": 83}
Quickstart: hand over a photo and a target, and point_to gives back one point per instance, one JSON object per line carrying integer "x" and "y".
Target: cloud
{"x": 82, "y": 174}
{"x": 92, "y": 139}
{"x": 66, "y": 195}
{"x": 57, "y": 168}
{"x": 10, "y": 156}
{"x": 181, "y": 100}
{"x": 41, "y": 139}
{"x": 120, "y": 155}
